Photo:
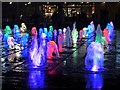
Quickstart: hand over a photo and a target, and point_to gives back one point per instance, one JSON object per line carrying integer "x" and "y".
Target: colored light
{"x": 7, "y": 30}
{"x": 10, "y": 42}
{"x": 85, "y": 34}
{"x": 94, "y": 81}
{"x": 94, "y": 60}
{"x": 37, "y": 53}
{"x": 45, "y": 31}
{"x": 64, "y": 36}
{"x": 55, "y": 35}
{"x": 51, "y": 28}
{"x": 55, "y": 32}
{"x": 59, "y": 31}
{"x": 69, "y": 37}
{"x": 52, "y": 48}
{"x": 60, "y": 41}
{"x": 16, "y": 33}
{"x": 99, "y": 34}
{"x": 110, "y": 28}
{"x": 43, "y": 35}
{"x": 23, "y": 27}
{"x": 18, "y": 50}
{"x": 40, "y": 32}
{"x": 16, "y": 27}
{"x": 106, "y": 35}
{"x": 50, "y": 34}
{"x": 24, "y": 40}
{"x": 74, "y": 34}
{"x": 36, "y": 79}
{"x": 1, "y": 35}
{"x": 64, "y": 30}
{"x": 81, "y": 33}
{"x": 34, "y": 31}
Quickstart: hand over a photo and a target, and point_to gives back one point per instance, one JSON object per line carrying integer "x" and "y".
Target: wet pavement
{"x": 68, "y": 71}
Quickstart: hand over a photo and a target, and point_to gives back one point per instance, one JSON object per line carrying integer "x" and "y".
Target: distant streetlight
{"x": 21, "y": 16}
{"x": 29, "y": 2}
{"x": 73, "y": 5}
{"x": 49, "y": 8}
{"x": 10, "y": 3}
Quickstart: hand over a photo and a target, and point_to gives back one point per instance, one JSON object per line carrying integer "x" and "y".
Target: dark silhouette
{"x": 60, "y": 16}
{"x": 54, "y": 18}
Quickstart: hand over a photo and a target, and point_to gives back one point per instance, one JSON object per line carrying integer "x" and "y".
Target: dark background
{"x": 33, "y": 16}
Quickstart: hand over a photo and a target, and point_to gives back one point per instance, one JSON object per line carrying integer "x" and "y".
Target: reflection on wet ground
{"x": 68, "y": 71}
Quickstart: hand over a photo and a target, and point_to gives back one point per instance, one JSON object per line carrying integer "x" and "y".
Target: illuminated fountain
{"x": 34, "y": 48}
{"x": 106, "y": 34}
{"x": 50, "y": 33}
{"x": 23, "y": 28}
{"x": 99, "y": 34}
{"x": 24, "y": 36}
{"x": 101, "y": 39}
{"x": 91, "y": 34}
{"x": 52, "y": 48}
{"x": 40, "y": 32}
{"x": 107, "y": 38}
{"x": 43, "y": 49}
{"x": 55, "y": 35}
{"x": 64, "y": 36}
{"x": 110, "y": 28}
{"x": 11, "y": 42}
{"x": 60, "y": 40}
{"x": 74, "y": 34}
{"x": 81, "y": 32}
{"x": 1, "y": 35}
{"x": 37, "y": 53}
{"x": 112, "y": 34}
{"x": 85, "y": 34}
{"x": 34, "y": 32}
{"x": 109, "y": 34}
{"x": 7, "y": 30}
{"x": 92, "y": 25}
{"x": 7, "y": 33}
{"x": 90, "y": 31}
{"x": 69, "y": 37}
{"x": 16, "y": 32}
{"x": 94, "y": 60}
{"x": 24, "y": 39}
{"x": 18, "y": 51}
{"x": 45, "y": 31}
{"x": 64, "y": 30}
